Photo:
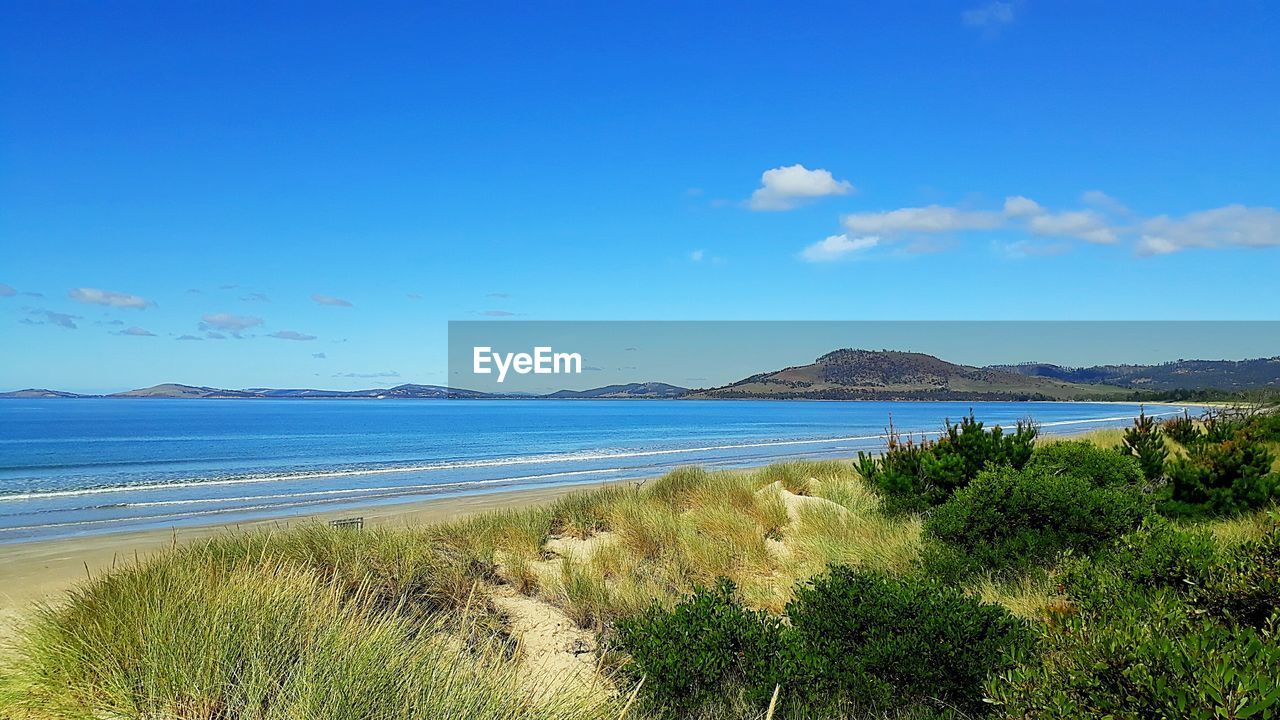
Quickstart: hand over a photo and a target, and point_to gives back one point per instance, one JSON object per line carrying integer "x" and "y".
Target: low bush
{"x": 1162, "y": 624}
{"x": 1014, "y": 519}
{"x": 914, "y": 477}
{"x": 1104, "y": 467}
{"x": 856, "y": 641}
{"x": 867, "y": 640}
{"x": 1221, "y": 478}
{"x": 1148, "y": 660}
{"x": 1157, "y": 556}
{"x": 1244, "y": 589}
{"x": 704, "y": 650}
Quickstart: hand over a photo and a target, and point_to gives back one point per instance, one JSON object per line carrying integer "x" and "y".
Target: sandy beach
{"x": 39, "y": 571}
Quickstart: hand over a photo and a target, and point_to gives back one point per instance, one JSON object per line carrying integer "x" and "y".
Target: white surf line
{"x": 469, "y": 464}
{"x": 350, "y": 491}
{"x": 277, "y": 506}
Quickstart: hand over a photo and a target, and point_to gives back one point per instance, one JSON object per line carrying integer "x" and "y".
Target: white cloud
{"x": 993, "y": 15}
{"x": 331, "y": 300}
{"x": 94, "y": 296}
{"x": 1230, "y": 226}
{"x": 784, "y": 188}
{"x": 290, "y": 335}
{"x": 930, "y": 219}
{"x": 697, "y": 255}
{"x": 1019, "y": 206}
{"x": 1103, "y": 201}
{"x": 838, "y": 247}
{"x": 1086, "y": 225}
{"x": 137, "y": 332}
{"x": 226, "y": 322}
{"x": 7, "y": 290}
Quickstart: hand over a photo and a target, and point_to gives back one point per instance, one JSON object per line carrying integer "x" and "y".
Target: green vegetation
{"x": 916, "y": 476}
{"x": 982, "y": 574}
{"x": 1008, "y": 520}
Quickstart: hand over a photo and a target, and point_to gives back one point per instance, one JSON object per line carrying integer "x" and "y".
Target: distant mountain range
{"x": 846, "y": 374}
{"x": 175, "y": 390}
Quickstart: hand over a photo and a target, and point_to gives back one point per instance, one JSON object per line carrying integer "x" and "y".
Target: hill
{"x": 852, "y": 374}
{"x": 41, "y": 393}
{"x": 1258, "y": 374}
{"x": 176, "y": 390}
{"x": 647, "y": 390}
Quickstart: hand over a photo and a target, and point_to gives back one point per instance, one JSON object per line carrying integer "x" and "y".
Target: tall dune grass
{"x": 191, "y": 636}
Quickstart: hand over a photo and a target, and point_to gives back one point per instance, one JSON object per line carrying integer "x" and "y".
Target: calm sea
{"x": 71, "y": 467}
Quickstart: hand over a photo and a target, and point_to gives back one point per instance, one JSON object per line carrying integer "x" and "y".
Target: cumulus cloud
{"x": 1086, "y": 225}
{"x": 227, "y": 323}
{"x": 136, "y": 332}
{"x": 838, "y": 247}
{"x": 1230, "y": 226}
{"x": 330, "y": 300}
{"x": 7, "y": 290}
{"x": 993, "y": 15}
{"x": 95, "y": 296}
{"x": 784, "y": 188}
{"x": 215, "y": 335}
{"x": 1106, "y": 222}
{"x": 1019, "y": 206}
{"x": 290, "y": 335}
{"x": 930, "y": 219}
{"x": 188, "y": 337}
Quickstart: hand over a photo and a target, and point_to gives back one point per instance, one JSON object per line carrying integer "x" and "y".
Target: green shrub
{"x": 1145, "y": 442}
{"x": 1013, "y": 519}
{"x": 1104, "y": 467}
{"x": 1157, "y": 556}
{"x": 1182, "y": 429}
{"x": 1244, "y": 589}
{"x": 1221, "y": 478}
{"x": 872, "y": 641}
{"x": 1162, "y": 624}
{"x": 1221, "y": 425}
{"x": 1148, "y": 660}
{"x": 914, "y": 477}
{"x": 703, "y": 650}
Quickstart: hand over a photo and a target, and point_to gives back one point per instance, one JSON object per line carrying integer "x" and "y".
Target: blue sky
{"x": 333, "y": 183}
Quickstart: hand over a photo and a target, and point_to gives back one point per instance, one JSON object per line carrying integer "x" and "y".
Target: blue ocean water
{"x": 70, "y": 467}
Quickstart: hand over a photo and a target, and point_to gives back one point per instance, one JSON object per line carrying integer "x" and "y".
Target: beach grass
{"x": 206, "y": 636}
